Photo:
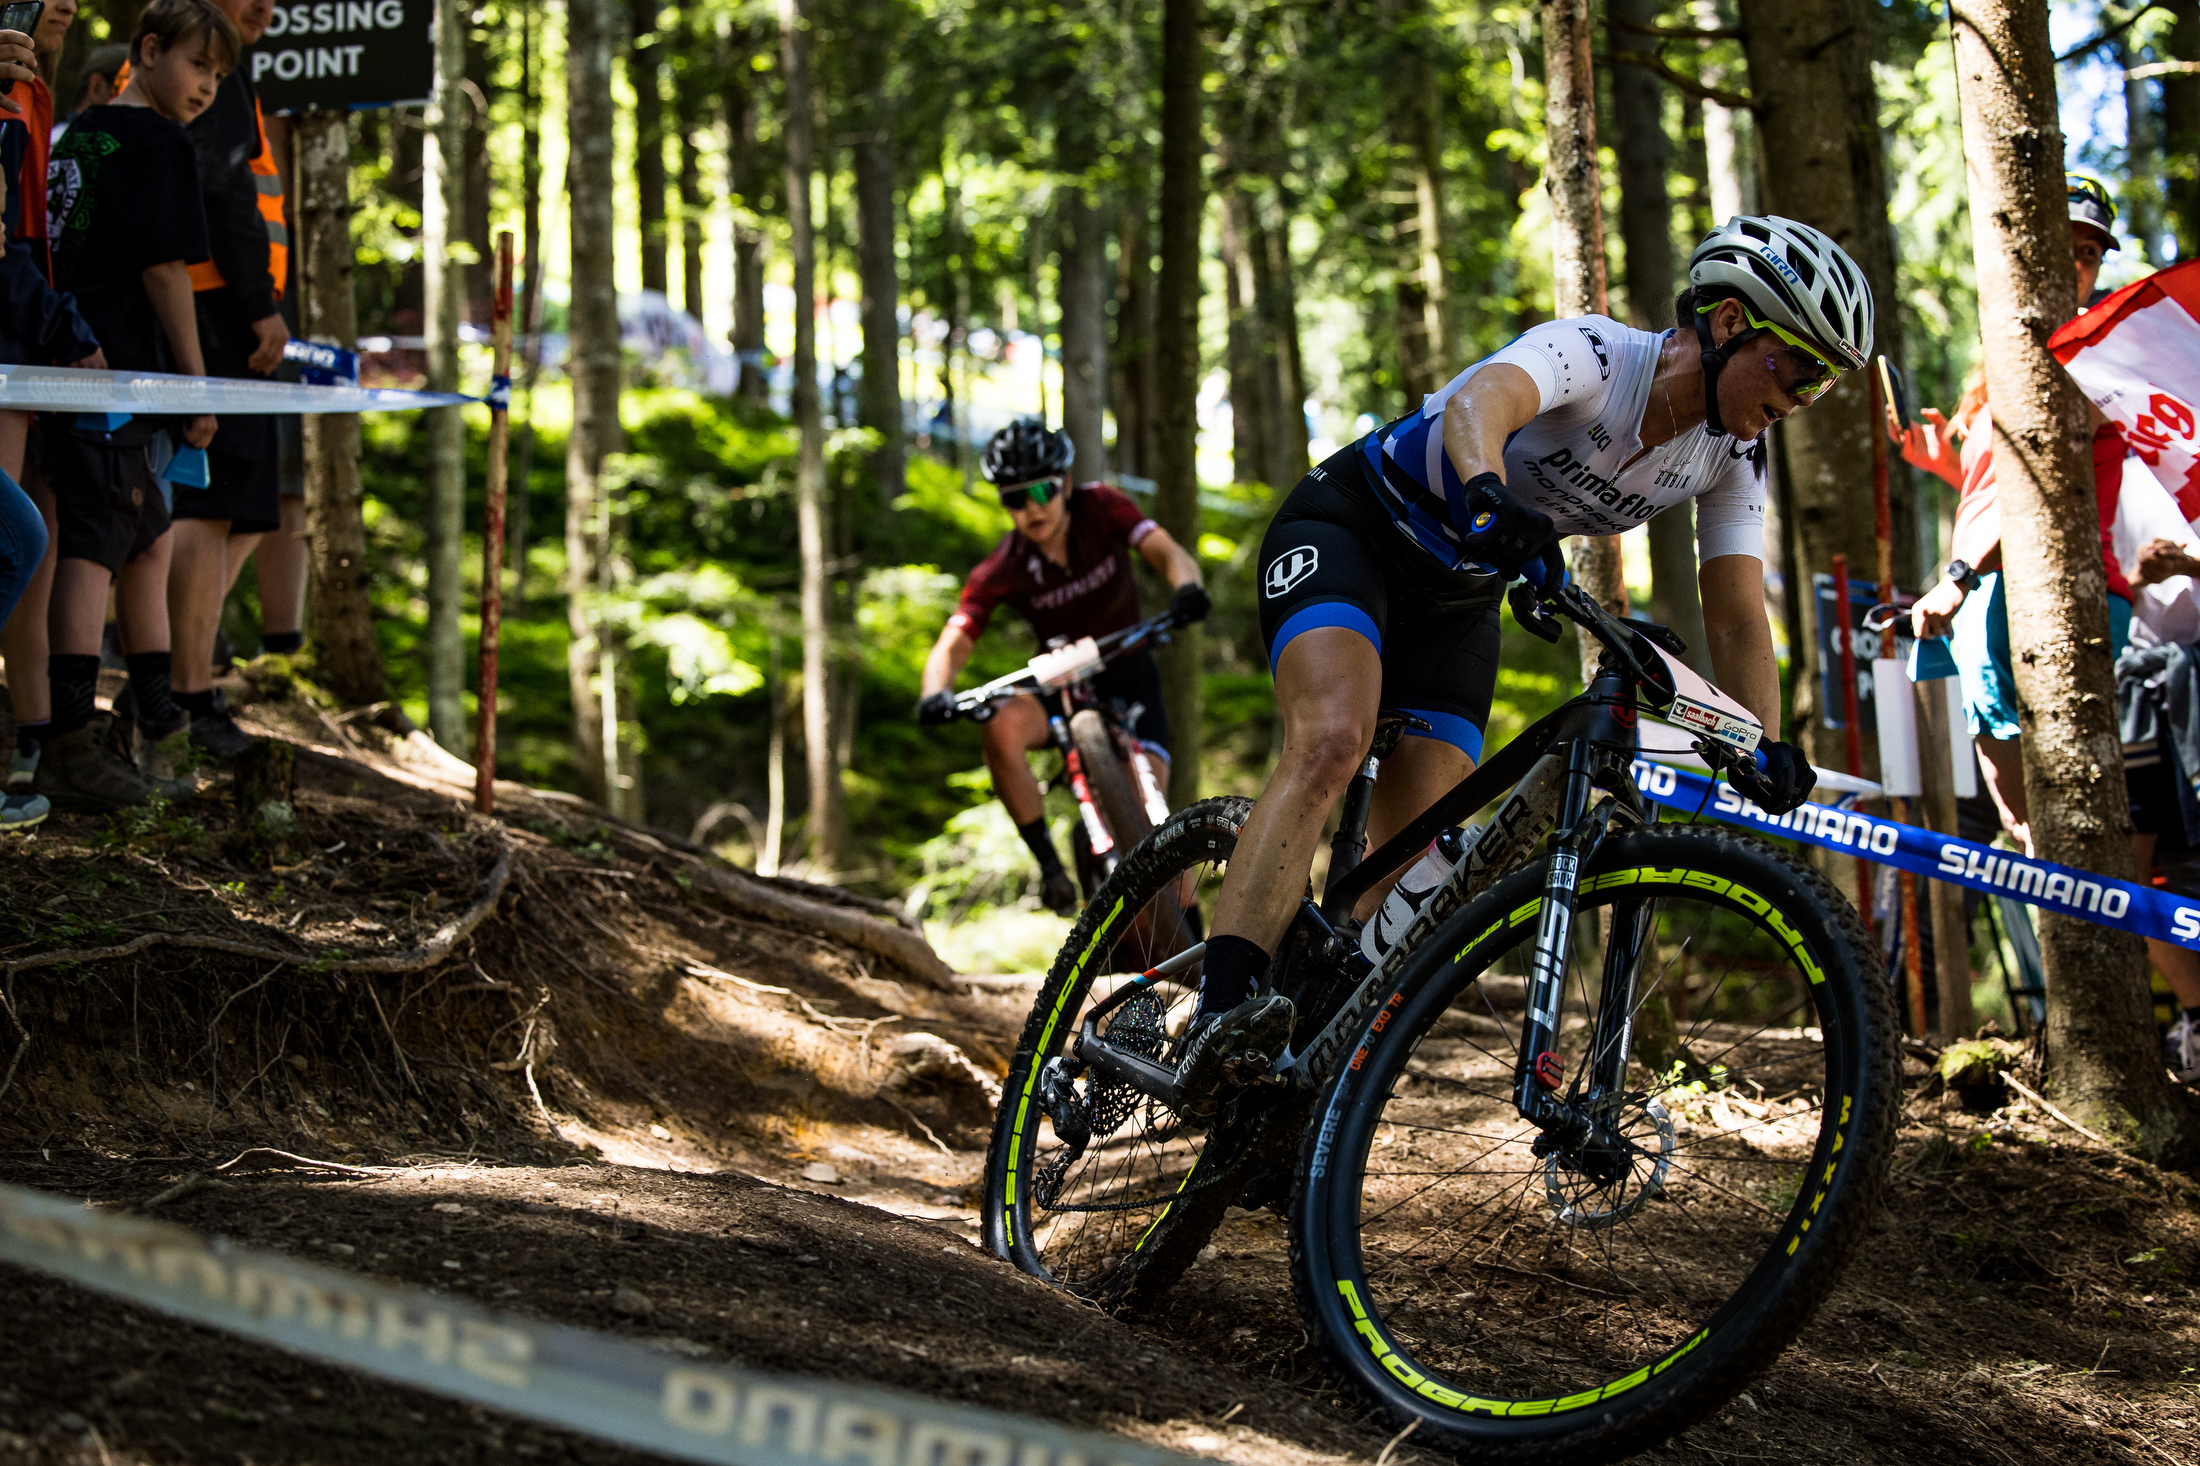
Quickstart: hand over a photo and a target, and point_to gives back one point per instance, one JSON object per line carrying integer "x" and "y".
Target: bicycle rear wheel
{"x": 1530, "y": 1300}
{"x": 1090, "y": 1184}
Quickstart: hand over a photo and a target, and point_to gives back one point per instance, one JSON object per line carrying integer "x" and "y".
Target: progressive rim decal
{"x": 1046, "y": 1039}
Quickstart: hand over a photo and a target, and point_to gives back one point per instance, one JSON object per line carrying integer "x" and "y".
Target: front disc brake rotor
{"x": 1578, "y": 1201}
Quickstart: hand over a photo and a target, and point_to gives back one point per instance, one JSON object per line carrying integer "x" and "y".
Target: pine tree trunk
{"x": 828, "y": 815}
{"x": 693, "y": 206}
{"x": 1729, "y": 174}
{"x": 2142, "y": 161}
{"x": 442, "y": 215}
{"x": 1176, "y": 355}
{"x": 1575, "y": 184}
{"x": 1135, "y": 408}
{"x": 529, "y": 323}
{"x": 2104, "y": 1063}
{"x": 745, "y": 181}
{"x": 345, "y": 648}
{"x": 1083, "y": 290}
{"x": 1276, "y": 290}
{"x": 645, "y": 73}
{"x": 591, "y": 39}
{"x": 1646, "y": 234}
{"x": 874, "y": 169}
{"x": 1809, "y": 63}
{"x": 1250, "y": 428}
{"x": 482, "y": 74}
{"x": 2181, "y": 126}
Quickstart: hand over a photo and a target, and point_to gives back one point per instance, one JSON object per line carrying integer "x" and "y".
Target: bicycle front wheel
{"x": 1530, "y": 1296}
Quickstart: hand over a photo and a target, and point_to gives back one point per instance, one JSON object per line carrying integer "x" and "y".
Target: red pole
{"x": 1844, "y": 638}
{"x": 492, "y": 534}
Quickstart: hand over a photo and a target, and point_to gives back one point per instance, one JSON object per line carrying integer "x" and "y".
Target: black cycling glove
{"x": 1783, "y": 783}
{"x": 937, "y": 709}
{"x": 1496, "y": 529}
{"x": 1189, "y": 603}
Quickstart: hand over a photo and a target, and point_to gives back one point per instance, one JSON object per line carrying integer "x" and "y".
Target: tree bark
{"x": 474, "y": 129}
{"x": 1176, "y": 355}
{"x": 645, "y": 73}
{"x": 2143, "y": 161}
{"x": 1276, "y": 289}
{"x": 591, "y": 27}
{"x": 689, "y": 110}
{"x": 1646, "y": 234}
{"x": 1082, "y": 287}
{"x": 874, "y": 169}
{"x": 745, "y": 181}
{"x": 1576, "y": 187}
{"x": 529, "y": 323}
{"x": 2181, "y": 126}
{"x": 1810, "y": 64}
{"x": 345, "y": 648}
{"x": 1135, "y": 408}
{"x": 828, "y": 814}
{"x": 2104, "y": 1064}
{"x": 1730, "y": 173}
{"x": 1251, "y": 425}
{"x": 442, "y": 216}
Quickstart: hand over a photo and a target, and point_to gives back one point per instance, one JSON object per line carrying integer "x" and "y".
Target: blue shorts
{"x": 1980, "y": 641}
{"x": 1333, "y": 557}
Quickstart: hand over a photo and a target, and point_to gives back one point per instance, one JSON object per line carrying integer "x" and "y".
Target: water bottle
{"x": 1413, "y": 890}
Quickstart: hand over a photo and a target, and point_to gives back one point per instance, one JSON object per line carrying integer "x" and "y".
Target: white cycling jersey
{"x": 1595, "y": 377}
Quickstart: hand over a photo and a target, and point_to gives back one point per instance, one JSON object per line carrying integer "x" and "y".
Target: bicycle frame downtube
{"x": 1096, "y": 829}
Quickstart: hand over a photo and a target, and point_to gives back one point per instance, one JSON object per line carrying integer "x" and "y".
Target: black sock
{"x": 74, "y": 679}
{"x": 1042, "y": 846}
{"x": 197, "y": 704}
{"x": 157, "y": 712}
{"x": 30, "y": 737}
{"x": 1233, "y": 965}
{"x": 282, "y": 643}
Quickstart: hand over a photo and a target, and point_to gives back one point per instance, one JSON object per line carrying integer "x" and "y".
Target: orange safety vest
{"x": 204, "y": 276}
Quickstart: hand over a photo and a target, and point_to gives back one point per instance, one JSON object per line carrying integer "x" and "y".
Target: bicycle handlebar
{"x": 1153, "y": 631}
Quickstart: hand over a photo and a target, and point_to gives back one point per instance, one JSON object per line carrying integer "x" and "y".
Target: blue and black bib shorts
{"x": 1334, "y": 557}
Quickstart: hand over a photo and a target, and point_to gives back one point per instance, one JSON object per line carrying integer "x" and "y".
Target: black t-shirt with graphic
{"x": 122, "y": 195}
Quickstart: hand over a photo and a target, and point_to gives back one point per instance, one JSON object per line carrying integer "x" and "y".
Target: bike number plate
{"x": 1703, "y": 709}
{"x": 1059, "y": 668}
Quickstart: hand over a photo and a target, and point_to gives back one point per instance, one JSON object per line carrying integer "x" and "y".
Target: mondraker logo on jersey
{"x": 1604, "y": 357}
{"x": 1291, "y": 567}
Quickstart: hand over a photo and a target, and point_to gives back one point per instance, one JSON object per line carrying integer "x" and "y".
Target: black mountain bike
{"x": 1565, "y": 1170}
{"x": 1120, "y": 787}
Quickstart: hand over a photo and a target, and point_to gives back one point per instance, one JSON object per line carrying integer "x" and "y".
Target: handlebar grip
{"x": 1529, "y": 612}
{"x": 1757, "y": 756}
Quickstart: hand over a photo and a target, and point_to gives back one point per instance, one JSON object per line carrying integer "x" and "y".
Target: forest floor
{"x": 761, "y": 1145}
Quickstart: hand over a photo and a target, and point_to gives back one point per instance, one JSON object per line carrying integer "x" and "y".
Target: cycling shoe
{"x": 1227, "y": 1051}
{"x": 1058, "y": 893}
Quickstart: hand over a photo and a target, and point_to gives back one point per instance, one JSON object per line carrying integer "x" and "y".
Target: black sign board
{"x": 1863, "y": 595}
{"x": 345, "y": 54}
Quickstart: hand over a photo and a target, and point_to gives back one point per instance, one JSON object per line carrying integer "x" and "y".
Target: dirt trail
{"x": 747, "y": 1151}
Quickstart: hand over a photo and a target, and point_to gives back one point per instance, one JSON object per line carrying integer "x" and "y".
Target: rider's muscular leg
{"x": 1018, "y": 727}
{"x": 1420, "y": 772}
{"x": 1329, "y": 685}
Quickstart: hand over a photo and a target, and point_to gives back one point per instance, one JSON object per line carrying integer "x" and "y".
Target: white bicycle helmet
{"x": 1792, "y": 274}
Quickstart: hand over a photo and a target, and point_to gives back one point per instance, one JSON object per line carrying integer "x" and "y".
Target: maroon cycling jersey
{"x": 1092, "y": 595}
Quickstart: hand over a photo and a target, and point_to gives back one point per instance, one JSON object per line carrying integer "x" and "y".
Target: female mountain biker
{"x": 1067, "y": 567}
{"x": 1382, "y": 573}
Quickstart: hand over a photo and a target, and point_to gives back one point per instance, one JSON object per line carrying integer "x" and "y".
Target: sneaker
{"x": 23, "y": 769}
{"x": 82, "y": 771}
{"x": 2181, "y": 1049}
{"x": 1229, "y": 1050}
{"x": 20, "y": 812}
{"x": 217, "y": 733}
{"x": 170, "y": 761}
{"x": 1057, "y": 892}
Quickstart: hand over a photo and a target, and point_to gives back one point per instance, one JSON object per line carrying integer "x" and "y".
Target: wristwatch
{"x": 1962, "y": 574}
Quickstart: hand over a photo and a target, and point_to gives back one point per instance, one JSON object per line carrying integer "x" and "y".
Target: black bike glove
{"x": 1783, "y": 783}
{"x": 1189, "y": 603}
{"x": 1496, "y": 529}
{"x": 937, "y": 709}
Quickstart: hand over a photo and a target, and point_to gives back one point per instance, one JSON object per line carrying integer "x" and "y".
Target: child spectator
{"x": 123, "y": 201}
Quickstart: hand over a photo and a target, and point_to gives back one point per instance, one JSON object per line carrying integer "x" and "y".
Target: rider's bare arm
{"x": 945, "y": 663}
{"x": 1170, "y": 560}
{"x": 1496, "y": 402}
{"x": 1739, "y": 637}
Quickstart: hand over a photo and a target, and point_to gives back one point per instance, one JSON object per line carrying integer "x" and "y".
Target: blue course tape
{"x": 2041, "y": 883}
{"x": 323, "y": 365}
{"x": 500, "y": 394}
{"x": 65, "y": 389}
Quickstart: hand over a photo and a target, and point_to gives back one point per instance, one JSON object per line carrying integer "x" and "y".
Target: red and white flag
{"x": 2137, "y": 355}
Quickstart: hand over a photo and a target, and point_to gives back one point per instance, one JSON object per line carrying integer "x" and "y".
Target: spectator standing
{"x": 101, "y": 83}
{"x": 39, "y": 327}
{"x": 127, "y": 224}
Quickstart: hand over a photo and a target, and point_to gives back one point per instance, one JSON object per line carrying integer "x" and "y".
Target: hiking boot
{"x": 82, "y": 771}
{"x": 1057, "y": 892}
{"x": 217, "y": 733}
{"x": 20, "y": 812}
{"x": 1227, "y": 1051}
{"x": 2181, "y": 1049}
{"x": 170, "y": 761}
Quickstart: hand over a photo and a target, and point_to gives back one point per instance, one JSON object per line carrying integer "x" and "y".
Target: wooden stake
{"x": 1844, "y": 639}
{"x": 492, "y": 532}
